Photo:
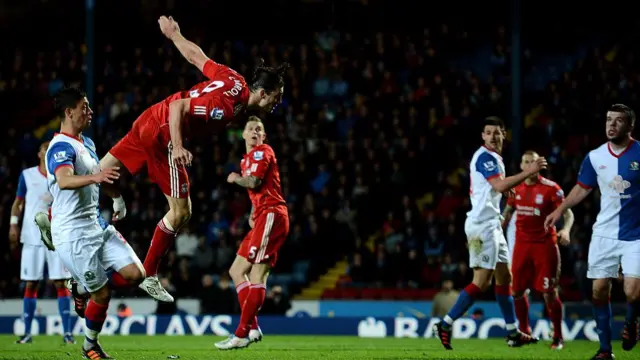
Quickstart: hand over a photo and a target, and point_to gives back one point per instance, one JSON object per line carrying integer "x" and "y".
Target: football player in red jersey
{"x": 269, "y": 221}
{"x": 536, "y": 257}
{"x": 156, "y": 139}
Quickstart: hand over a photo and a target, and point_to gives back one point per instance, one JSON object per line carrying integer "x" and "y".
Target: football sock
{"x": 116, "y": 280}
{"x": 243, "y": 291}
{"x": 633, "y": 311}
{"x": 29, "y": 308}
{"x": 162, "y": 241}
{"x": 95, "y": 314}
{"x": 602, "y": 315}
{"x": 466, "y": 298}
{"x": 64, "y": 305}
{"x": 252, "y": 305}
{"x": 555, "y": 314}
{"x": 521, "y": 304}
{"x": 505, "y": 301}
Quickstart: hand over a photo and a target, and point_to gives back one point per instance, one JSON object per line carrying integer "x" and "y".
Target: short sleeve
{"x": 587, "y": 177}
{"x": 60, "y": 154}
{"x": 557, "y": 196}
{"x": 22, "y": 187}
{"x": 259, "y": 162}
{"x": 207, "y": 108}
{"x": 487, "y": 165}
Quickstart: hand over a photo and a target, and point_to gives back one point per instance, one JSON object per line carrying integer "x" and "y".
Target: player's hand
{"x": 14, "y": 233}
{"x": 108, "y": 175}
{"x": 233, "y": 177}
{"x": 119, "y": 209}
{"x": 252, "y": 223}
{"x": 552, "y": 219}
{"x": 181, "y": 156}
{"x": 564, "y": 237}
{"x": 539, "y": 164}
{"x": 168, "y": 26}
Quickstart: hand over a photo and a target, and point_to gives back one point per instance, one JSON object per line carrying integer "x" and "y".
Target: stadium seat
{"x": 371, "y": 294}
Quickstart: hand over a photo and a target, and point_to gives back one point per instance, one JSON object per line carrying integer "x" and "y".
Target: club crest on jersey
{"x": 634, "y": 166}
{"x": 216, "y": 114}
{"x": 539, "y": 199}
{"x": 258, "y": 155}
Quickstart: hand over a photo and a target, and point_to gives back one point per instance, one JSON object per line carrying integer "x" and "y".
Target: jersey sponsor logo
{"x": 634, "y": 166}
{"x": 619, "y": 184}
{"x": 489, "y": 165}
{"x": 258, "y": 155}
{"x": 60, "y": 156}
{"x": 216, "y": 114}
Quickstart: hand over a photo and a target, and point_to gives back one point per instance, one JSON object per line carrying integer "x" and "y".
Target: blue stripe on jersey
{"x": 91, "y": 147}
{"x": 629, "y": 216}
{"x": 22, "y": 187}
{"x": 60, "y": 153}
{"x": 103, "y": 223}
{"x": 487, "y": 165}
{"x": 587, "y": 174}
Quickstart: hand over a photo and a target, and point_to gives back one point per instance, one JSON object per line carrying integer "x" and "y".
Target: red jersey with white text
{"x": 532, "y": 204}
{"x": 214, "y": 103}
{"x": 261, "y": 162}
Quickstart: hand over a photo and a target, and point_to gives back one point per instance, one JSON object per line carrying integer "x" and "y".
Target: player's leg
{"x": 32, "y": 272}
{"x": 603, "y": 265}
{"x": 483, "y": 251}
{"x": 631, "y": 271}
{"x": 118, "y": 256}
{"x": 58, "y": 273}
{"x": 174, "y": 183}
{"x": 239, "y": 273}
{"x": 503, "y": 279}
{"x": 521, "y": 273}
{"x": 546, "y": 264}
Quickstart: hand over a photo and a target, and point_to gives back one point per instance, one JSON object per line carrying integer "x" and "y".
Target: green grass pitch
{"x": 299, "y": 347}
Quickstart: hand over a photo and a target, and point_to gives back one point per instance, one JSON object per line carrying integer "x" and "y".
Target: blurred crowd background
{"x": 374, "y": 137}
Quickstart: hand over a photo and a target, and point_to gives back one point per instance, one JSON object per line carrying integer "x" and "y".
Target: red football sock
{"x": 250, "y": 309}
{"x": 243, "y": 292}
{"x": 162, "y": 241}
{"x": 522, "y": 312}
{"x": 118, "y": 281}
{"x": 555, "y": 314}
{"x": 63, "y": 292}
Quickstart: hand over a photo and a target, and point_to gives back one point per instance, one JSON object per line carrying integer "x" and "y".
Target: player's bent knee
{"x": 59, "y": 284}
{"x": 482, "y": 278}
{"x": 132, "y": 273}
{"x": 239, "y": 269}
{"x": 632, "y": 289}
{"x": 601, "y": 289}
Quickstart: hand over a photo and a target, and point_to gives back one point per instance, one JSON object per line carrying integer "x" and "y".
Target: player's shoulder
{"x": 88, "y": 142}
{"x": 261, "y": 152}
{"x": 548, "y": 183}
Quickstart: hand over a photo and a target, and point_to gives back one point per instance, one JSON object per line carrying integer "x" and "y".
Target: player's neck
{"x": 42, "y": 168}
{"x": 68, "y": 129}
{"x": 620, "y": 145}
{"x": 530, "y": 181}
{"x": 250, "y": 147}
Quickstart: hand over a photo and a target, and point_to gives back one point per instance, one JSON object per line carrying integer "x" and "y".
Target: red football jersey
{"x": 214, "y": 103}
{"x": 261, "y": 162}
{"x": 532, "y": 204}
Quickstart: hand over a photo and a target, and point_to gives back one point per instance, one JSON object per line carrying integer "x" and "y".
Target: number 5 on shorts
{"x": 252, "y": 252}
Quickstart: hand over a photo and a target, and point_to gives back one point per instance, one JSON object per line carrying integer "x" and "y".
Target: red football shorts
{"x": 148, "y": 143}
{"x": 262, "y": 243}
{"x": 535, "y": 266}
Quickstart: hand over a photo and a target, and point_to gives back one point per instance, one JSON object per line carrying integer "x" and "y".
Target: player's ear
{"x": 68, "y": 112}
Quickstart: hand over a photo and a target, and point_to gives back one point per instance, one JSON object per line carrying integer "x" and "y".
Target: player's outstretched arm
{"x": 68, "y": 181}
{"x": 577, "y": 194}
{"x": 189, "y": 50}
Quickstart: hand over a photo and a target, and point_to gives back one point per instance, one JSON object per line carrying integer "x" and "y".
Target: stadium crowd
{"x": 373, "y": 141}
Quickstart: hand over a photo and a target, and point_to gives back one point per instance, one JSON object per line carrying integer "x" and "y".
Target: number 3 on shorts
{"x": 213, "y": 86}
{"x": 252, "y": 252}
{"x": 545, "y": 283}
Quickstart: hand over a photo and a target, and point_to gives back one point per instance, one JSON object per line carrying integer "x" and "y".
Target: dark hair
{"x": 268, "y": 78}
{"x": 67, "y": 98}
{"x": 627, "y": 111}
{"x": 493, "y": 121}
